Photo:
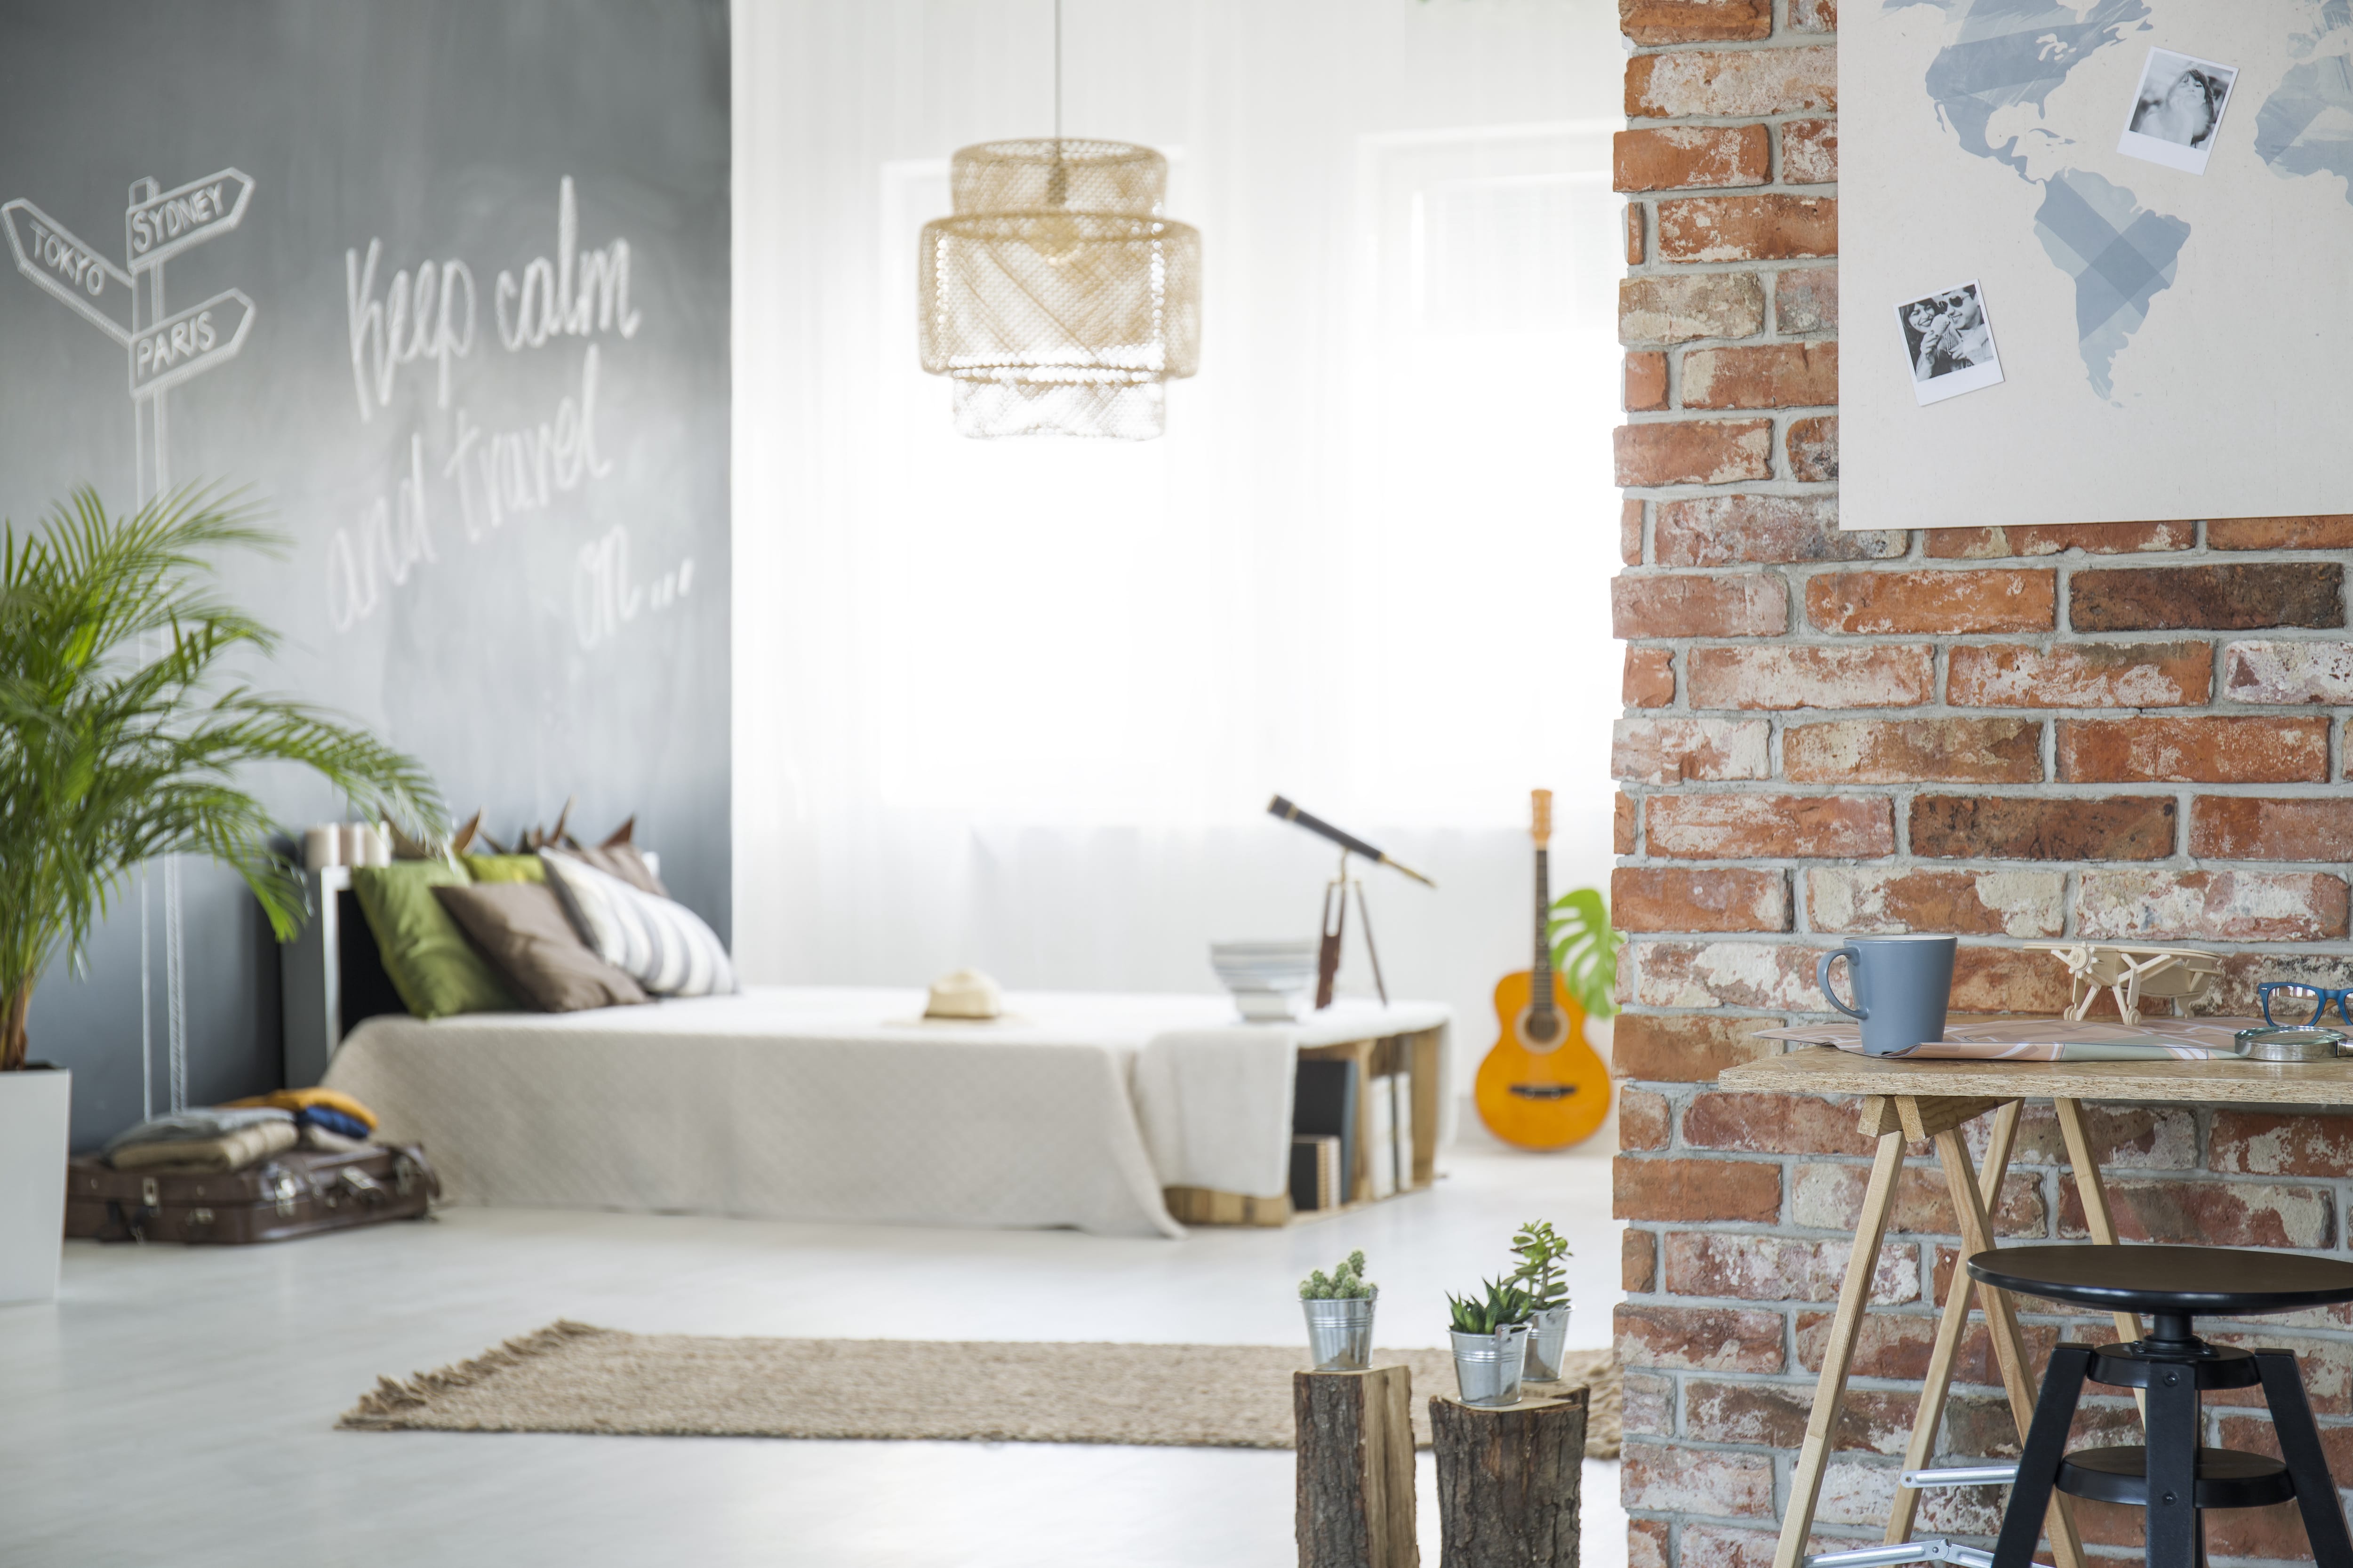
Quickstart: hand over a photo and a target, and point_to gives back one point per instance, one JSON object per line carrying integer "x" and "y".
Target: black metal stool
{"x": 2173, "y": 1477}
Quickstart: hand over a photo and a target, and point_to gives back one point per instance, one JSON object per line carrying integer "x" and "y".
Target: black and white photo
{"x": 2176, "y": 112}
{"x": 1949, "y": 341}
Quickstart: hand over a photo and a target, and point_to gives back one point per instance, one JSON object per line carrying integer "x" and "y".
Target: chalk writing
{"x": 604, "y": 597}
{"x": 522, "y": 470}
{"x": 573, "y": 296}
{"x": 393, "y": 537}
{"x": 409, "y": 323}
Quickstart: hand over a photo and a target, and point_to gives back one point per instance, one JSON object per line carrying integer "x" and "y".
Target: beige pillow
{"x": 621, "y": 860}
{"x": 523, "y": 931}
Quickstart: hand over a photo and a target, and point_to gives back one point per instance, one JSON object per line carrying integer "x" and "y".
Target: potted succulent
{"x": 121, "y": 740}
{"x": 1339, "y": 1307}
{"x": 1491, "y": 1341}
{"x": 1540, "y": 1250}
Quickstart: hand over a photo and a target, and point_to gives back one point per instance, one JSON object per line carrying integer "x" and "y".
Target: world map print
{"x": 2120, "y": 254}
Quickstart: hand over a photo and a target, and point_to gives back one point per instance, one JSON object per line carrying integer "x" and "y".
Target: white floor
{"x": 178, "y": 1405}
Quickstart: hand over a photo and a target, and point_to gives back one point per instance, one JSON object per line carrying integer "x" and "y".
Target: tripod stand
{"x": 1335, "y": 923}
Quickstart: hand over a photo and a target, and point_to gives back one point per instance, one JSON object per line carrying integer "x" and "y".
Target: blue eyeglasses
{"x": 2302, "y": 1003}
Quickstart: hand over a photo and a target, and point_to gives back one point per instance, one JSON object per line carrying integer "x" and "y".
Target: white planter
{"x": 34, "y": 1114}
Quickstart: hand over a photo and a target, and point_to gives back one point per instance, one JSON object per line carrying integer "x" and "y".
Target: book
{"x": 1324, "y": 1101}
{"x": 1380, "y": 1135}
{"x": 1315, "y": 1172}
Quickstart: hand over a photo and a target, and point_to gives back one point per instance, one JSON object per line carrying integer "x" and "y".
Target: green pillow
{"x": 505, "y": 868}
{"x": 432, "y": 965}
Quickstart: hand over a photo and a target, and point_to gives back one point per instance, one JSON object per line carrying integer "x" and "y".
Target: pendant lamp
{"x": 1057, "y": 297}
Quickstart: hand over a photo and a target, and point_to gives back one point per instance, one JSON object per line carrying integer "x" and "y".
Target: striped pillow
{"x": 662, "y": 944}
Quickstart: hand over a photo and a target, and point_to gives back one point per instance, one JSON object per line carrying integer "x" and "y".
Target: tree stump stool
{"x": 1356, "y": 1468}
{"x": 1509, "y": 1479}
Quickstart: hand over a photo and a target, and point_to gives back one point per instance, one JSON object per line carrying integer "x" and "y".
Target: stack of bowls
{"x": 1269, "y": 980}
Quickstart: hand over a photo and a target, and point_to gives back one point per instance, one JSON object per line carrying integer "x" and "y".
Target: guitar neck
{"x": 1541, "y": 968}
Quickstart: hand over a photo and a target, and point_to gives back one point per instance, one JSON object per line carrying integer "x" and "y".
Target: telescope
{"x": 1336, "y": 899}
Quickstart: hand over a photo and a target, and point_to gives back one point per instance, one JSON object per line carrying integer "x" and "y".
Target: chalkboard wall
{"x": 445, "y": 284}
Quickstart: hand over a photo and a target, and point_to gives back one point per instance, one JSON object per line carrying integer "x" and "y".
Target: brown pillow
{"x": 621, "y": 860}
{"x": 522, "y": 930}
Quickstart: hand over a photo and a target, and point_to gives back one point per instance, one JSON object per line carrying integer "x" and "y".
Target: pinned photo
{"x": 1948, "y": 339}
{"x": 2178, "y": 111}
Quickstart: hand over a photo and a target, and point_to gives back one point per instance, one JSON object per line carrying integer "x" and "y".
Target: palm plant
{"x": 109, "y": 757}
{"x": 1584, "y": 950}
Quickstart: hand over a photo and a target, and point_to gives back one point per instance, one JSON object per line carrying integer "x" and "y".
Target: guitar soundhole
{"x": 1543, "y": 1090}
{"x": 1542, "y": 1028}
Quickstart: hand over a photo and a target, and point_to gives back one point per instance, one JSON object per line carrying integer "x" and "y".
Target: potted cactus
{"x": 1491, "y": 1341}
{"x": 1540, "y": 1250}
{"x": 1339, "y": 1308}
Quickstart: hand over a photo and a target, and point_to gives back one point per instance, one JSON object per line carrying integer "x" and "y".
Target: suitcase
{"x": 298, "y": 1193}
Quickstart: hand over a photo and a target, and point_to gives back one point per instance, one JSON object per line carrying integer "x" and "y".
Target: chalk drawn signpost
{"x": 164, "y": 349}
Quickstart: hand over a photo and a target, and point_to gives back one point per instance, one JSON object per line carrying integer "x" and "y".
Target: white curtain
{"x": 1021, "y": 704}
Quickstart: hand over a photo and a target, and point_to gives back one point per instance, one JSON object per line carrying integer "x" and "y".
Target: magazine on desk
{"x": 2049, "y": 1039}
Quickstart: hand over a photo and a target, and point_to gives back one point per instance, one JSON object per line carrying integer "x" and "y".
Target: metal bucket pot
{"x": 1340, "y": 1334}
{"x": 1487, "y": 1366}
{"x": 1547, "y": 1332}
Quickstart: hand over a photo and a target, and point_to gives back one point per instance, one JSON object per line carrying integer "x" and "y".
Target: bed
{"x": 819, "y": 1103}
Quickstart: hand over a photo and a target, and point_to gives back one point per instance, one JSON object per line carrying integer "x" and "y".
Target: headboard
{"x": 331, "y": 977}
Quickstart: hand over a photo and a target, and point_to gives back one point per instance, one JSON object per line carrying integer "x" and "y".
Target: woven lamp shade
{"x": 1057, "y": 296}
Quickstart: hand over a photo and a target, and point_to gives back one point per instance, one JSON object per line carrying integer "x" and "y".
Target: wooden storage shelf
{"x": 1415, "y": 1056}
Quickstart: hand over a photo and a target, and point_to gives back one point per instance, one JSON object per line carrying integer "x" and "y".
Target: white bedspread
{"x": 834, "y": 1104}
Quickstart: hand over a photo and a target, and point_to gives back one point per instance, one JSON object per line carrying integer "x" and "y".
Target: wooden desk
{"x": 1930, "y": 1101}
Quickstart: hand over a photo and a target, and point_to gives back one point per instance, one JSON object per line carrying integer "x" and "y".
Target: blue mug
{"x": 1902, "y": 986}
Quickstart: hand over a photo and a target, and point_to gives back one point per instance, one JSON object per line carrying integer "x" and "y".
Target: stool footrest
{"x": 2227, "y": 1477}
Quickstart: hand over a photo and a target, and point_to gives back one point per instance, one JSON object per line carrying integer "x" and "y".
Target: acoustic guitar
{"x": 1542, "y": 1086}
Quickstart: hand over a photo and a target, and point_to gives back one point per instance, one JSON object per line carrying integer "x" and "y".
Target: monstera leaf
{"x": 1584, "y": 950}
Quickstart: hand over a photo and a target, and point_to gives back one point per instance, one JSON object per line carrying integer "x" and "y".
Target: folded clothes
{"x": 192, "y": 1126}
{"x": 317, "y": 1137}
{"x": 301, "y": 1100}
{"x": 335, "y": 1122}
{"x": 230, "y": 1152}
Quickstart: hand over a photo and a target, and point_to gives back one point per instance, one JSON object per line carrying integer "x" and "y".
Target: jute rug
{"x": 570, "y": 1378}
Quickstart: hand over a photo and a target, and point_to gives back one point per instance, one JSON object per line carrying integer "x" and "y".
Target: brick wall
{"x": 2118, "y": 730}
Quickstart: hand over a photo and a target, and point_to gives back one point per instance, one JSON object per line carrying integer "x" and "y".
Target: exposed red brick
{"x": 1644, "y": 1120}
{"x": 2329, "y": 533}
{"x": 1769, "y": 375}
{"x": 2007, "y": 980}
{"x": 2080, "y": 675}
{"x": 2311, "y": 1143}
{"x": 1694, "y": 452}
{"x": 1625, "y": 824}
{"x": 1895, "y": 1346}
{"x": 1774, "y": 1416}
{"x": 1685, "y": 1047}
{"x": 2134, "y": 1137}
{"x": 2327, "y": 1365}
{"x": 1719, "y": 973}
{"x": 1809, "y": 152}
{"x": 1700, "y": 1338}
{"x": 1759, "y": 827}
{"x": 1746, "y": 84}
{"x": 2194, "y": 751}
{"x": 1775, "y": 1124}
{"x": 1695, "y": 21}
{"x": 1677, "y": 309}
{"x": 2208, "y": 1213}
{"x": 2232, "y": 598}
{"x": 1696, "y": 1191}
{"x": 1804, "y": 676}
{"x": 2055, "y": 538}
{"x": 1985, "y": 1425}
{"x": 2131, "y": 903}
{"x": 1805, "y": 300}
{"x": 2234, "y": 995}
{"x": 1691, "y": 751}
{"x": 1673, "y": 899}
{"x": 2252, "y": 828}
{"x": 1770, "y": 227}
{"x": 1646, "y": 1542}
{"x": 1779, "y": 1268}
{"x": 1634, "y": 247}
{"x": 1657, "y": 606}
{"x": 1813, "y": 15}
{"x": 1630, "y": 531}
{"x": 1874, "y": 603}
{"x": 2010, "y": 827}
{"x": 1646, "y": 381}
{"x": 1813, "y": 448}
{"x": 1829, "y": 1197}
{"x": 1690, "y": 157}
{"x": 2288, "y": 672}
{"x": 1723, "y": 1484}
{"x": 1650, "y": 679}
{"x": 1874, "y": 901}
{"x": 1723, "y": 530}
{"x": 1638, "y": 1260}
{"x": 1901, "y": 751}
